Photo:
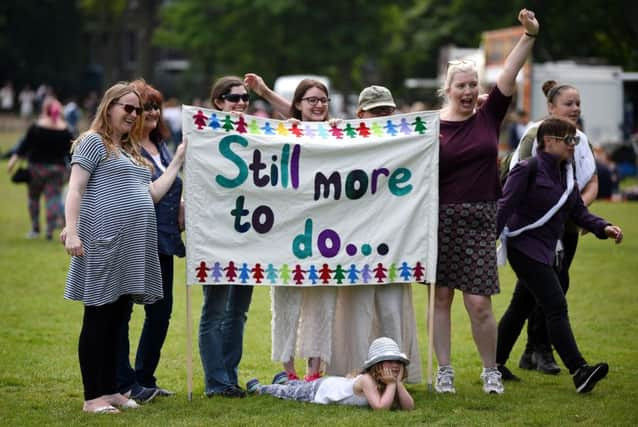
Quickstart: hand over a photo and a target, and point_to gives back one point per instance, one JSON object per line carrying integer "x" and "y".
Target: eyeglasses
{"x": 313, "y": 100}
{"x": 130, "y": 108}
{"x": 235, "y": 97}
{"x": 568, "y": 139}
{"x": 151, "y": 106}
{"x": 382, "y": 111}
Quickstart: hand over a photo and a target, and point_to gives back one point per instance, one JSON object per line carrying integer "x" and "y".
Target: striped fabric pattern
{"x": 118, "y": 230}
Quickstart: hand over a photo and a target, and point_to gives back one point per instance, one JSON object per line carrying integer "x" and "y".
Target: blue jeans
{"x": 221, "y": 333}
{"x": 152, "y": 338}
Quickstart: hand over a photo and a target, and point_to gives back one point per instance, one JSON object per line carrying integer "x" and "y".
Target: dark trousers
{"x": 538, "y": 284}
{"x": 154, "y": 330}
{"x": 537, "y": 334}
{"x": 98, "y": 346}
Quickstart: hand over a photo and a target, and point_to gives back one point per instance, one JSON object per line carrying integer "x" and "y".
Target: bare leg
{"x": 484, "y": 331}
{"x": 289, "y": 366}
{"x": 314, "y": 366}
{"x": 443, "y": 298}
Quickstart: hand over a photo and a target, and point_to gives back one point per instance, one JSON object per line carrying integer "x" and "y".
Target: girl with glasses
{"x": 563, "y": 101}
{"x": 111, "y": 235}
{"x": 316, "y": 306}
{"x": 552, "y": 195}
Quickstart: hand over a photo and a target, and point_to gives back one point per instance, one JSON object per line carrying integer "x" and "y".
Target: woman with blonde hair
{"x": 111, "y": 235}
{"x": 468, "y": 189}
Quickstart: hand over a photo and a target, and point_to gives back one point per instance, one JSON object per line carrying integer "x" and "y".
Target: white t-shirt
{"x": 339, "y": 390}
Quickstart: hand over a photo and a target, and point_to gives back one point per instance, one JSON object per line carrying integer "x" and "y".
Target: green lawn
{"x": 40, "y": 379}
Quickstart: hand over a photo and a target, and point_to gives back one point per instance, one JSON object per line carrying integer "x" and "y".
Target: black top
{"x": 43, "y": 145}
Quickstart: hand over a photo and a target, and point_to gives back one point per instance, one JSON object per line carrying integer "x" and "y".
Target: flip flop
{"x": 107, "y": 409}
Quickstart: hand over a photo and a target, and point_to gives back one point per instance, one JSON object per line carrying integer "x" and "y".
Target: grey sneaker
{"x": 492, "y": 381}
{"x": 445, "y": 380}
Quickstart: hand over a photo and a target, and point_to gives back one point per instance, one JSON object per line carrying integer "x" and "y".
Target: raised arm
{"x": 161, "y": 185}
{"x": 255, "y": 83}
{"x": 506, "y": 81}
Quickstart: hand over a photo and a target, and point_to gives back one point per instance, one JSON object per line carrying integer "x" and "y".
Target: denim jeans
{"x": 537, "y": 284}
{"x": 154, "y": 330}
{"x": 221, "y": 333}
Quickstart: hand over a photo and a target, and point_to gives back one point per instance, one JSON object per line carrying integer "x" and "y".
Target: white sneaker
{"x": 492, "y": 381}
{"x": 445, "y": 380}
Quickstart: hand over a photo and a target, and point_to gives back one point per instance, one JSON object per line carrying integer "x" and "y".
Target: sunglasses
{"x": 313, "y": 100}
{"x": 130, "y": 108}
{"x": 151, "y": 106}
{"x": 382, "y": 111}
{"x": 235, "y": 97}
{"x": 569, "y": 139}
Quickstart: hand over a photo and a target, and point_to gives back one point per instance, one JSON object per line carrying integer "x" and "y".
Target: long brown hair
{"x": 102, "y": 124}
{"x": 300, "y": 91}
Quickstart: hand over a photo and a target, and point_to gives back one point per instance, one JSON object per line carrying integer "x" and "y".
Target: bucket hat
{"x": 383, "y": 349}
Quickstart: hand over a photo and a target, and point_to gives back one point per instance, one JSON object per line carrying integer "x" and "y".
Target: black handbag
{"x": 21, "y": 175}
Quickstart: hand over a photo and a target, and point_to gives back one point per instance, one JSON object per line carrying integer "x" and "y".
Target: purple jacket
{"x": 521, "y": 205}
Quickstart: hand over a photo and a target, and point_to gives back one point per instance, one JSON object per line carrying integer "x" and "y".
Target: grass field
{"x": 40, "y": 379}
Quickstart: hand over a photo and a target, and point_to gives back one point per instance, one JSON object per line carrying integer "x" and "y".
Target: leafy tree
{"x": 40, "y": 42}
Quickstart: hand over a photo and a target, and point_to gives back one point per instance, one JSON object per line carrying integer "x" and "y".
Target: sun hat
{"x": 375, "y": 96}
{"x": 383, "y": 349}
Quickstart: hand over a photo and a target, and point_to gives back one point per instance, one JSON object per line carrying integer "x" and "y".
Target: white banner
{"x": 272, "y": 202}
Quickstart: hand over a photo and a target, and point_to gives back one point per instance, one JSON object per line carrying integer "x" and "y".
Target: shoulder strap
{"x": 533, "y": 169}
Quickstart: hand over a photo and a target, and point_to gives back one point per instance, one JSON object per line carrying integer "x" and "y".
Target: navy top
{"x": 521, "y": 206}
{"x": 169, "y": 239}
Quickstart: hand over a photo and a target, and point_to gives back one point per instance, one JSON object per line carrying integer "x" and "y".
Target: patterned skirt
{"x": 467, "y": 248}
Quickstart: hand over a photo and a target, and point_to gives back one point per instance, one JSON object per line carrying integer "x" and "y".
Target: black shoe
{"x": 587, "y": 376}
{"x": 233, "y": 391}
{"x": 526, "y": 361}
{"x": 506, "y": 374}
{"x": 545, "y": 363}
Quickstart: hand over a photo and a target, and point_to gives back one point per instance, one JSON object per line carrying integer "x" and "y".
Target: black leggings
{"x": 538, "y": 284}
{"x": 97, "y": 348}
{"x": 537, "y": 334}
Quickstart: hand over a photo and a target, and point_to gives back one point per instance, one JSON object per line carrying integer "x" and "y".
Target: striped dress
{"x": 117, "y": 228}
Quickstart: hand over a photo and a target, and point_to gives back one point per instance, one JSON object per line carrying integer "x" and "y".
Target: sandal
{"x": 106, "y": 409}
